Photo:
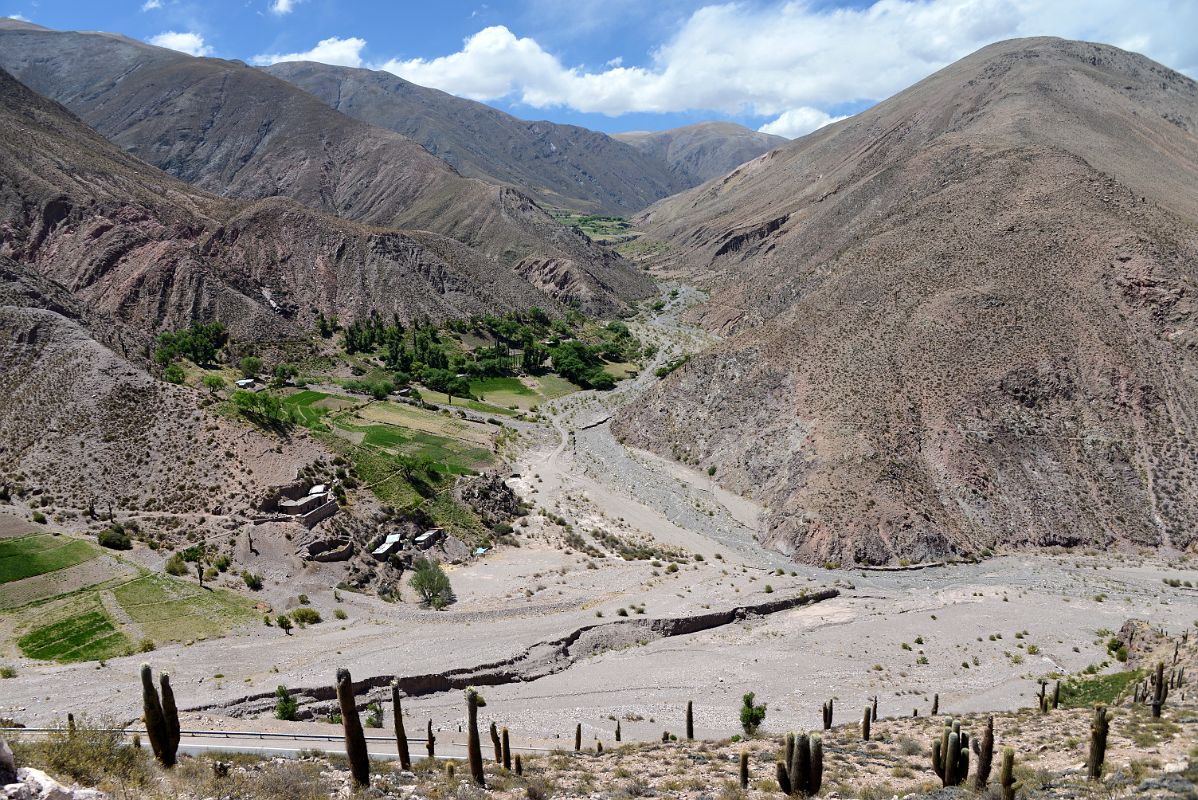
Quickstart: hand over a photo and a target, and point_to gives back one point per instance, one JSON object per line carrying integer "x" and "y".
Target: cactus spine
{"x": 690, "y": 720}
{"x": 950, "y": 755}
{"x": 744, "y": 769}
{"x": 985, "y": 754}
{"x": 1098, "y": 733}
{"x": 865, "y": 720}
{"x": 474, "y": 748}
{"x": 157, "y": 729}
{"x": 401, "y": 735}
{"x": 430, "y": 742}
{"x": 1160, "y": 692}
{"x": 351, "y": 724}
{"x": 507, "y": 751}
{"x": 495, "y": 743}
{"x": 1006, "y": 775}
{"x": 828, "y": 715}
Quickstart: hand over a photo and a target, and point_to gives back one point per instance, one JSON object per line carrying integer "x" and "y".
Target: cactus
{"x": 401, "y": 735}
{"x": 474, "y": 701}
{"x": 157, "y": 729}
{"x": 170, "y": 711}
{"x": 507, "y": 751}
{"x": 865, "y": 720}
{"x": 1006, "y": 775}
{"x": 355, "y": 739}
{"x": 1043, "y": 696}
{"x": 950, "y": 755}
{"x": 449, "y": 771}
{"x": 519, "y": 765}
{"x": 1159, "y": 692}
{"x": 1098, "y": 733}
{"x": 873, "y": 711}
{"x": 495, "y": 743}
{"x": 985, "y": 754}
{"x": 617, "y": 730}
{"x": 802, "y": 773}
{"x": 578, "y": 738}
{"x": 744, "y": 769}
{"x": 828, "y": 715}
{"x": 935, "y": 704}
{"x": 1056, "y": 695}
{"x": 430, "y": 742}
{"x": 690, "y": 721}
{"x": 599, "y": 748}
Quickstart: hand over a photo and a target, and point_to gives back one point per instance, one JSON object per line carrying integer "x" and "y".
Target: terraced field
{"x": 168, "y": 609}
{"x": 29, "y": 556}
{"x": 79, "y": 630}
{"x": 506, "y": 392}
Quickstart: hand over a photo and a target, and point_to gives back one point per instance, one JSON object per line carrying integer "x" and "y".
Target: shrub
{"x": 340, "y": 613}
{"x": 431, "y": 583}
{"x": 751, "y": 714}
{"x": 8, "y": 671}
{"x": 374, "y": 715}
{"x": 175, "y": 565}
{"x": 174, "y": 374}
{"x": 147, "y": 645}
{"x": 91, "y": 753}
{"x": 115, "y": 539}
{"x": 214, "y": 382}
{"x": 39, "y": 518}
{"x": 306, "y": 616}
{"x": 284, "y": 622}
{"x": 251, "y": 366}
{"x": 254, "y": 582}
{"x": 287, "y": 706}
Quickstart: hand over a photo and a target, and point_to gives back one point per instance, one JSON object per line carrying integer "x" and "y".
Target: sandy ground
{"x": 851, "y": 647}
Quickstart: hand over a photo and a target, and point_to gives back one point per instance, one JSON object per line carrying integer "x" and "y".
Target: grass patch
{"x": 167, "y": 609}
{"x": 309, "y": 408}
{"x": 37, "y": 555}
{"x": 555, "y": 386}
{"x": 83, "y": 633}
{"x": 504, "y": 392}
{"x": 440, "y": 398}
{"x": 447, "y": 455}
{"x": 1087, "y": 691}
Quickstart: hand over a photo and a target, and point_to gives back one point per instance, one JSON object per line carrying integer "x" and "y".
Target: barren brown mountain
{"x": 704, "y": 150}
{"x": 560, "y": 165}
{"x": 237, "y": 131}
{"x": 961, "y": 321}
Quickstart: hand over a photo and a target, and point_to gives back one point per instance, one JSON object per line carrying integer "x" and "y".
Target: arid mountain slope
{"x": 130, "y": 241}
{"x": 960, "y": 321}
{"x": 560, "y": 165}
{"x": 703, "y": 151}
{"x": 237, "y": 131}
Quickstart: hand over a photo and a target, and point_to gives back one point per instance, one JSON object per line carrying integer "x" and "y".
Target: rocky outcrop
{"x": 33, "y": 784}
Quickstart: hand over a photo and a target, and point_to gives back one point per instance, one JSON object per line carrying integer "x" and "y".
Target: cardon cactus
{"x": 578, "y": 738}
{"x": 744, "y": 769}
{"x": 351, "y": 724}
{"x": 935, "y": 704}
{"x": 985, "y": 754}
{"x": 157, "y": 729}
{"x": 495, "y": 743}
{"x": 690, "y": 720}
{"x": 617, "y": 730}
{"x": 170, "y": 711}
{"x": 430, "y": 742}
{"x": 1098, "y": 735}
{"x": 865, "y": 720}
{"x": 827, "y": 715}
{"x": 474, "y": 750}
{"x": 950, "y": 755}
{"x": 519, "y": 765}
{"x": 802, "y": 771}
{"x": 1006, "y": 775}
{"x": 507, "y": 750}
{"x": 401, "y": 735}
{"x": 1160, "y": 691}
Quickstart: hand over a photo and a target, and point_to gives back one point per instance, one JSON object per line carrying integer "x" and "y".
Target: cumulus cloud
{"x": 798, "y": 122}
{"x": 282, "y": 7}
{"x": 185, "y": 42}
{"x": 334, "y": 50}
{"x": 150, "y": 5}
{"x": 784, "y": 57}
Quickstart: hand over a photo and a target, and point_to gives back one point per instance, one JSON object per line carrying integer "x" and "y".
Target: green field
{"x": 168, "y": 609}
{"x": 36, "y": 555}
{"x": 454, "y": 456}
{"x": 311, "y": 407}
{"x": 483, "y": 408}
{"x": 552, "y": 387}
{"x": 81, "y": 631}
{"x": 504, "y": 392}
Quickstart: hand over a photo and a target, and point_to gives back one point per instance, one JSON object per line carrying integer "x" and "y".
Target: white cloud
{"x": 282, "y": 7}
{"x": 185, "y": 42}
{"x": 798, "y": 122}
{"x": 342, "y": 52}
{"x": 18, "y": 17}
{"x": 767, "y": 60}
{"x": 150, "y": 5}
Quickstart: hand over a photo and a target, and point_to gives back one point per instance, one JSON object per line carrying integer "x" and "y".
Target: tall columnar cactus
{"x": 617, "y": 730}
{"x": 401, "y": 735}
{"x": 690, "y": 720}
{"x": 1006, "y": 775}
{"x": 519, "y": 765}
{"x": 935, "y": 704}
{"x": 170, "y": 712}
{"x": 865, "y": 720}
{"x": 157, "y": 729}
{"x": 1043, "y": 696}
{"x": 1098, "y": 734}
{"x": 474, "y": 701}
{"x": 495, "y": 743}
{"x": 578, "y": 738}
{"x": 1159, "y": 691}
{"x": 1056, "y": 695}
{"x": 801, "y": 772}
{"x": 873, "y": 710}
{"x": 430, "y": 742}
{"x": 351, "y": 724}
{"x": 828, "y": 715}
{"x": 950, "y": 755}
{"x": 507, "y": 751}
{"x": 744, "y": 769}
{"x": 985, "y": 754}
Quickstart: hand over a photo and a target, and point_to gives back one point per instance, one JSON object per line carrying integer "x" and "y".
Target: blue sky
{"x": 782, "y": 66}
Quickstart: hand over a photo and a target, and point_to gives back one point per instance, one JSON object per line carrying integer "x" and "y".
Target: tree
{"x": 431, "y": 583}
{"x": 174, "y": 374}
{"x": 213, "y": 382}
{"x": 251, "y": 366}
{"x": 284, "y": 623}
{"x": 287, "y": 706}
{"x": 198, "y": 343}
{"x": 751, "y": 714}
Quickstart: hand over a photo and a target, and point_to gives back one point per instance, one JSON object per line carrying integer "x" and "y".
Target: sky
{"x": 619, "y": 65}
